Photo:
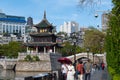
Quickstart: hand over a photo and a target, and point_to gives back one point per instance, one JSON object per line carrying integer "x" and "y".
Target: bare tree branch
{"x": 89, "y": 4}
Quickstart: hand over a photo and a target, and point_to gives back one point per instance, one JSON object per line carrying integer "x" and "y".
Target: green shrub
{"x": 35, "y": 58}
{"x": 111, "y": 70}
{"x": 116, "y": 77}
{"x": 28, "y": 58}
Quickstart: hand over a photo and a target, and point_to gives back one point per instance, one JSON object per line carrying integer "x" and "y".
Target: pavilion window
{"x": 45, "y": 30}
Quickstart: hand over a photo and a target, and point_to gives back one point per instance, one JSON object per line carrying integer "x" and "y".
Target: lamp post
{"x": 74, "y": 39}
{"x": 104, "y": 19}
{"x": 74, "y": 50}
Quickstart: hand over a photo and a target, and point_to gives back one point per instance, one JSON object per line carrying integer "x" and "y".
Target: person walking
{"x": 88, "y": 68}
{"x": 103, "y": 65}
{"x": 64, "y": 71}
{"x": 71, "y": 72}
{"x": 80, "y": 70}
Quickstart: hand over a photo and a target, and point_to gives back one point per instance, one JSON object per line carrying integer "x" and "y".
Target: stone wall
{"x": 47, "y": 63}
{"x": 42, "y": 56}
{"x": 55, "y": 65}
{"x": 43, "y": 66}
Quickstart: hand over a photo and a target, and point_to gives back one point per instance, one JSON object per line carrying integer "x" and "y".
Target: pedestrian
{"x": 80, "y": 70}
{"x": 64, "y": 70}
{"x": 71, "y": 72}
{"x": 76, "y": 71}
{"x": 103, "y": 65}
{"x": 95, "y": 65}
{"x": 88, "y": 68}
{"x": 93, "y": 69}
{"x": 98, "y": 66}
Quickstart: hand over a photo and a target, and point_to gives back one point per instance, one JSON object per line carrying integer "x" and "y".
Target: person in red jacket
{"x": 80, "y": 69}
{"x": 103, "y": 65}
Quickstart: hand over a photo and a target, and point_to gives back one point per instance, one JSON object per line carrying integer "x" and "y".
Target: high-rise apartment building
{"x": 69, "y": 27}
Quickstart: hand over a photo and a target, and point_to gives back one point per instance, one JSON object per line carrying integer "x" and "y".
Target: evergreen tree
{"x": 113, "y": 41}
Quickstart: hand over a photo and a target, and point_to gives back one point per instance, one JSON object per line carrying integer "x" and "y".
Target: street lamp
{"x": 104, "y": 19}
{"x": 74, "y": 40}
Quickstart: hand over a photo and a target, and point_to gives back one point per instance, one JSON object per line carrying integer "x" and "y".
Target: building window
{"x": 16, "y": 29}
{"x": 13, "y": 29}
{"x": 6, "y": 28}
{"x": 43, "y": 30}
{"x": 3, "y": 28}
{"x": 10, "y": 29}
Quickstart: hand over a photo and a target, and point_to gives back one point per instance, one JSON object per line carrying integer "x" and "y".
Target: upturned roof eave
{"x": 43, "y": 21}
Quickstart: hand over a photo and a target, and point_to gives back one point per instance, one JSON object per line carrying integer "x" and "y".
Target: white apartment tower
{"x": 69, "y": 27}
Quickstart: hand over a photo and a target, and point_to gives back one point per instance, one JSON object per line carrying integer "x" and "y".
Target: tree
{"x": 2, "y": 50}
{"x": 94, "y": 40}
{"x": 11, "y": 50}
{"x": 113, "y": 41}
{"x": 88, "y": 2}
{"x": 69, "y": 49}
{"x": 91, "y": 4}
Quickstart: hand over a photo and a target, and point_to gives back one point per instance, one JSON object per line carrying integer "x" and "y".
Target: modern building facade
{"x": 69, "y": 27}
{"x": 10, "y": 24}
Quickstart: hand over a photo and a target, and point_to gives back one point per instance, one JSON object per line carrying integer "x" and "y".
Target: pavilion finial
{"x": 44, "y": 14}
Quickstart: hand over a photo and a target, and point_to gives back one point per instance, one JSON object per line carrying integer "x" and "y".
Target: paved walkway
{"x": 100, "y": 75}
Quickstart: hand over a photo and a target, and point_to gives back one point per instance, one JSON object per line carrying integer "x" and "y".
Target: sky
{"x": 57, "y": 11}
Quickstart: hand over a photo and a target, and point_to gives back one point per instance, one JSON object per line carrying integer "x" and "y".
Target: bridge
{"x": 84, "y": 56}
{"x": 8, "y": 63}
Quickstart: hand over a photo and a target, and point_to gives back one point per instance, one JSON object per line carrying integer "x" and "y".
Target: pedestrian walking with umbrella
{"x": 64, "y": 67}
{"x": 71, "y": 71}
